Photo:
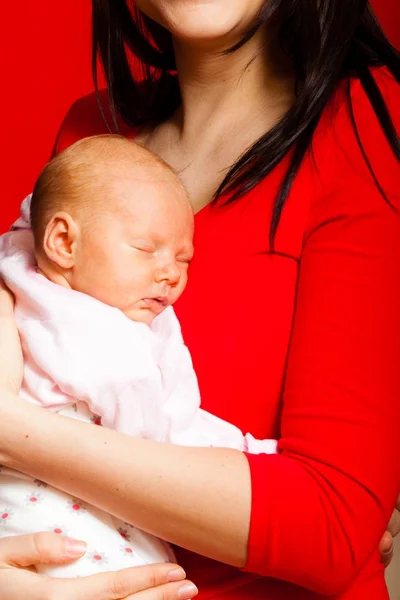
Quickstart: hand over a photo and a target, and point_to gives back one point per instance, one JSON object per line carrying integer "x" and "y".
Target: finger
{"x": 118, "y": 585}
{"x": 18, "y": 583}
{"x": 394, "y": 524}
{"x": 170, "y": 591}
{"x": 385, "y": 543}
{"x": 386, "y": 548}
{"x": 386, "y": 558}
{"x": 39, "y": 549}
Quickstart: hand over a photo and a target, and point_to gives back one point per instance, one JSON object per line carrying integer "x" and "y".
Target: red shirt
{"x": 303, "y": 344}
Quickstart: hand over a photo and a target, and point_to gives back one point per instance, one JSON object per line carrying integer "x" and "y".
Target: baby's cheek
{"x": 180, "y": 289}
{"x": 184, "y": 277}
{"x": 115, "y": 284}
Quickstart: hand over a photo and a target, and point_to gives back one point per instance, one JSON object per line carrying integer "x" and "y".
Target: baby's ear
{"x": 60, "y": 239}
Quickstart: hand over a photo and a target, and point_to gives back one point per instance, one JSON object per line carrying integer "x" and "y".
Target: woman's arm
{"x": 180, "y": 494}
{"x": 149, "y": 493}
{"x": 11, "y": 361}
{"x": 340, "y": 451}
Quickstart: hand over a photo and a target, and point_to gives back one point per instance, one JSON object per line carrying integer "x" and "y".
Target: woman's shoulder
{"x": 351, "y": 127}
{"x": 85, "y": 119}
{"x": 351, "y": 147}
{"x": 352, "y": 172}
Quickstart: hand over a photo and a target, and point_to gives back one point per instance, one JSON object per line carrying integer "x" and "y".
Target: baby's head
{"x": 113, "y": 221}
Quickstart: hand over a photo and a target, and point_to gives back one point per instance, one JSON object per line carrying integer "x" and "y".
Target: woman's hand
{"x": 11, "y": 361}
{"x": 17, "y": 579}
{"x": 386, "y": 545}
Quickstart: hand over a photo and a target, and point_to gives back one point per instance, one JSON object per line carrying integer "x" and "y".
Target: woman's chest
{"x": 236, "y": 316}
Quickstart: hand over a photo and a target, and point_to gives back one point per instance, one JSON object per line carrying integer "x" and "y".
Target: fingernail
{"x": 187, "y": 591}
{"x": 176, "y": 574}
{"x": 75, "y": 547}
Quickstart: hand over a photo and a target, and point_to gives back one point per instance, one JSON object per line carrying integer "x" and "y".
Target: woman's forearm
{"x": 198, "y": 498}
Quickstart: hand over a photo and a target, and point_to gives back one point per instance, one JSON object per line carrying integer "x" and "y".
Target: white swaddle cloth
{"x": 87, "y": 360}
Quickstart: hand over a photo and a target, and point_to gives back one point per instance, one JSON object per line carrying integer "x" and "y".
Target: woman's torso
{"x": 236, "y": 316}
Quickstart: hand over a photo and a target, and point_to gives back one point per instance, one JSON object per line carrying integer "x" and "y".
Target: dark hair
{"x": 326, "y": 40}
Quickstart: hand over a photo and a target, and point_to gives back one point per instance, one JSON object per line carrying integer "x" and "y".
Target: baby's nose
{"x": 170, "y": 273}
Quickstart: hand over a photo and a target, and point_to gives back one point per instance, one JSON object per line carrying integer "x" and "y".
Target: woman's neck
{"x": 224, "y": 91}
{"x": 229, "y": 100}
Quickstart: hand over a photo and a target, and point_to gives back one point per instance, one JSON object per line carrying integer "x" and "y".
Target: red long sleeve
{"x": 320, "y": 507}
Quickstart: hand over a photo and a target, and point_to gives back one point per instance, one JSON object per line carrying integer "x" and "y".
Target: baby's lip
{"x": 161, "y": 301}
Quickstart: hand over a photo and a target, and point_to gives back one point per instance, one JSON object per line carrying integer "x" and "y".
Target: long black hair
{"x": 326, "y": 40}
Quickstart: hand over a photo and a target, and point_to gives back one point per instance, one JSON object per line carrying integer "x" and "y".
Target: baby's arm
{"x": 208, "y": 430}
{"x": 106, "y": 362}
{"x": 190, "y": 425}
{"x": 140, "y": 381}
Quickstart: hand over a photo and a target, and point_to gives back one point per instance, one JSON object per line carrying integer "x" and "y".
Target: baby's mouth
{"x": 157, "y": 301}
{"x": 163, "y": 300}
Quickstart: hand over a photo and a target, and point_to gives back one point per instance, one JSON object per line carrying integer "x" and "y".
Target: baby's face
{"x": 135, "y": 254}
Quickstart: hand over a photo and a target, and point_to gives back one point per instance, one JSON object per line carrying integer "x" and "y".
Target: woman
{"x": 289, "y": 111}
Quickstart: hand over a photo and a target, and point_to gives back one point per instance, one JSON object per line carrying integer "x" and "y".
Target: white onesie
{"x": 87, "y": 360}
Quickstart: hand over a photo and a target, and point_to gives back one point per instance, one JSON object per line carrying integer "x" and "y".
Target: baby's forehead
{"x": 128, "y": 180}
{"x": 118, "y": 172}
{"x": 139, "y": 200}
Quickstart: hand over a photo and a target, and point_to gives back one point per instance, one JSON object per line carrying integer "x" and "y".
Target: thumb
{"x": 386, "y": 549}
{"x": 39, "y": 549}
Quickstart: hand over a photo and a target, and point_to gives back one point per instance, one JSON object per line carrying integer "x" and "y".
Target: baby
{"x": 96, "y": 261}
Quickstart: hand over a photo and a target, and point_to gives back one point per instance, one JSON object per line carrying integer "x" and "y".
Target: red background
{"x": 45, "y": 51}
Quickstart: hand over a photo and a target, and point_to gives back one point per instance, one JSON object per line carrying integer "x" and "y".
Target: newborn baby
{"x": 95, "y": 262}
